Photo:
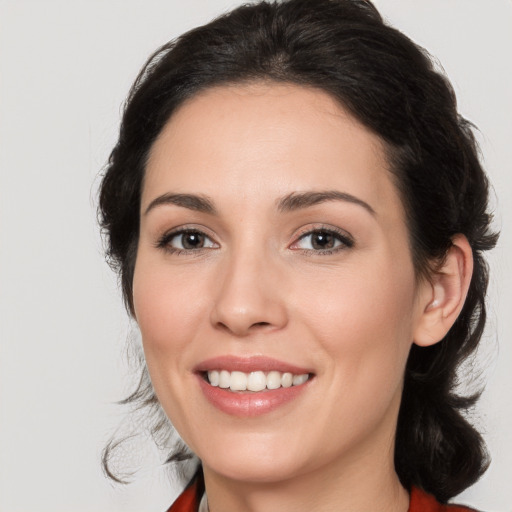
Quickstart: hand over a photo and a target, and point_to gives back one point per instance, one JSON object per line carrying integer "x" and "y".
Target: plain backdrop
{"x": 65, "y": 68}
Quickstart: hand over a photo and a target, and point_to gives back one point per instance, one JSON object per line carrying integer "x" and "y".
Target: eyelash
{"x": 346, "y": 241}
{"x": 165, "y": 240}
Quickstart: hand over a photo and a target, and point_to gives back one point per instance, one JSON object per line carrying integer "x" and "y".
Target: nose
{"x": 250, "y": 296}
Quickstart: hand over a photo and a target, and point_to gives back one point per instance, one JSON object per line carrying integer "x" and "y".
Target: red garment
{"x": 189, "y": 499}
{"x": 423, "y": 502}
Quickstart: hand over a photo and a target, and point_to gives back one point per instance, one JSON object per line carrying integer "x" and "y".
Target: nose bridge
{"x": 249, "y": 293}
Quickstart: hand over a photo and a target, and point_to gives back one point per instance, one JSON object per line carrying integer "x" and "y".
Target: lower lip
{"x": 249, "y": 404}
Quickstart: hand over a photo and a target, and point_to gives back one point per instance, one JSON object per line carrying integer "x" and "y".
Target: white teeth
{"x": 257, "y": 381}
{"x": 224, "y": 379}
{"x": 273, "y": 380}
{"x": 300, "y": 379}
{"x": 287, "y": 380}
{"x": 214, "y": 376}
{"x": 238, "y": 381}
{"x": 254, "y": 381}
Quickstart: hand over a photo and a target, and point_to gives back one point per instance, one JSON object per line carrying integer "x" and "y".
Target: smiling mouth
{"x": 248, "y": 387}
{"x": 255, "y": 381}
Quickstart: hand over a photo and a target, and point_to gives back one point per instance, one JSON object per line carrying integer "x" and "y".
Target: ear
{"x": 445, "y": 293}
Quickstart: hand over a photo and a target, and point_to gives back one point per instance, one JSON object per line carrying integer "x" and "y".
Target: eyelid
{"x": 163, "y": 240}
{"x": 347, "y": 241}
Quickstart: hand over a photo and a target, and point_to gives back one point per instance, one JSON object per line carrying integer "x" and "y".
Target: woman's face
{"x": 273, "y": 242}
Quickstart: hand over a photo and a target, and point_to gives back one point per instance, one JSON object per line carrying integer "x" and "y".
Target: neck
{"x": 361, "y": 485}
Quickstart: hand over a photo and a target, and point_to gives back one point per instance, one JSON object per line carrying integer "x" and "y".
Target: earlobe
{"x": 448, "y": 288}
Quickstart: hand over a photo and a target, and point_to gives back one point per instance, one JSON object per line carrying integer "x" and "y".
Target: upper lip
{"x": 249, "y": 364}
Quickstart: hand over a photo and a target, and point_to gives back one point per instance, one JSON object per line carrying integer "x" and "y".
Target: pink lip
{"x": 249, "y": 364}
{"x": 248, "y": 403}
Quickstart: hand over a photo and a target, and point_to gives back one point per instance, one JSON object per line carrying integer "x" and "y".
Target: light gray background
{"x": 65, "y": 68}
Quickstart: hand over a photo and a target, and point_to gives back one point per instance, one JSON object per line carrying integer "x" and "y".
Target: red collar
{"x": 188, "y": 500}
{"x": 423, "y": 502}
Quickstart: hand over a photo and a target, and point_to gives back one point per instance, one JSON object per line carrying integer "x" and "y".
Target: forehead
{"x": 264, "y": 140}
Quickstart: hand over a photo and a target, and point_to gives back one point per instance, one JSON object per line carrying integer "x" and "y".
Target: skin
{"x": 258, "y": 288}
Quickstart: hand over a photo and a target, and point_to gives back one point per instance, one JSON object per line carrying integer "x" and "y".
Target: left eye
{"x": 322, "y": 240}
{"x": 189, "y": 240}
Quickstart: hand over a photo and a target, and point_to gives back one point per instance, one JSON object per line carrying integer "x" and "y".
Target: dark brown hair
{"x": 391, "y": 86}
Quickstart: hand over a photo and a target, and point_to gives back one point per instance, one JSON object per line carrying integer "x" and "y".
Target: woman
{"x": 298, "y": 215}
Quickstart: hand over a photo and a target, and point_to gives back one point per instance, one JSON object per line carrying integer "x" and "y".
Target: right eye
{"x": 186, "y": 240}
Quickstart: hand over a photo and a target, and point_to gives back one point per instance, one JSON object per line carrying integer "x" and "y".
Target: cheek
{"x": 167, "y": 307}
{"x": 364, "y": 321}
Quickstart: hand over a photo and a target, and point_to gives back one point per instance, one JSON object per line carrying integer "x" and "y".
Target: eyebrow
{"x": 199, "y": 203}
{"x": 291, "y": 202}
{"x": 297, "y": 201}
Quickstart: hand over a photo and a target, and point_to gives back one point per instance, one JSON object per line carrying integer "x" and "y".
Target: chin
{"x": 260, "y": 470}
{"x": 253, "y": 460}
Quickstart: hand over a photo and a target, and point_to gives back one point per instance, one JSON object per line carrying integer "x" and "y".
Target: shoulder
{"x": 423, "y": 502}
